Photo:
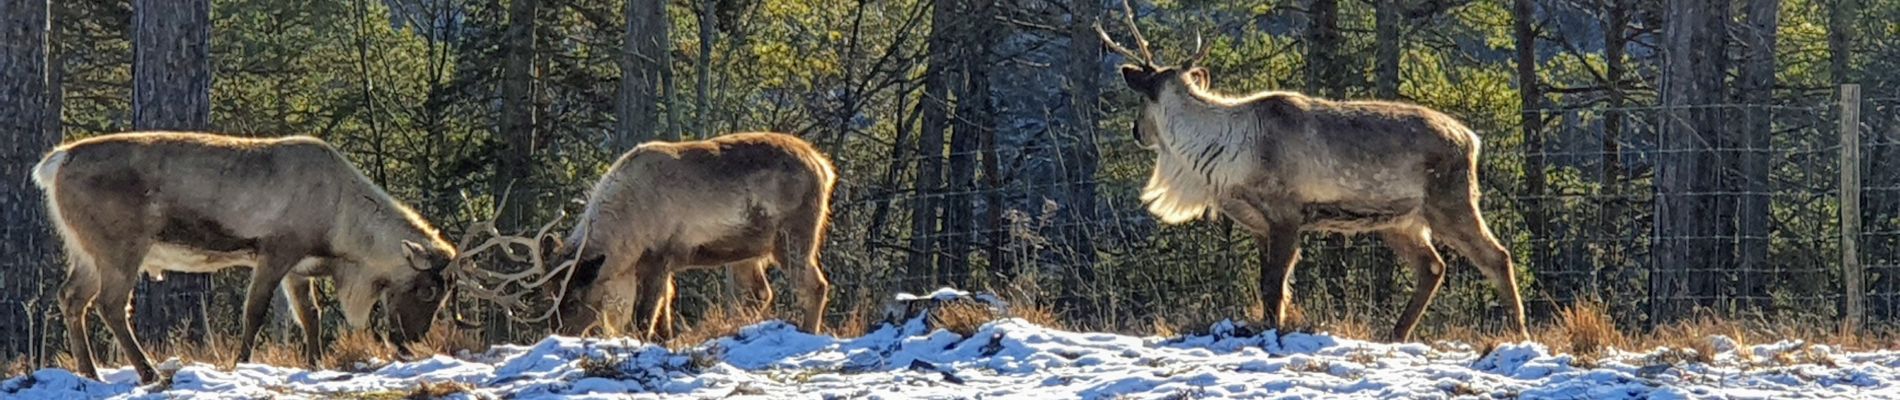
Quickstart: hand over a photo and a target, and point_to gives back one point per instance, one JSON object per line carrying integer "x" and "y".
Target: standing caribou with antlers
{"x": 744, "y": 200}
{"x": 1279, "y": 163}
{"x": 289, "y": 208}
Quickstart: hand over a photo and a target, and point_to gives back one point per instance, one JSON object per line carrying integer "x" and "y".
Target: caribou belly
{"x": 172, "y": 257}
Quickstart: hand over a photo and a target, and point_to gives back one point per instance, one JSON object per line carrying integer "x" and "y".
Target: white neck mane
{"x": 1205, "y": 146}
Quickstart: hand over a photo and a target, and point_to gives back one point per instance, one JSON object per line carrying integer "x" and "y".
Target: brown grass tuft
{"x": 1808, "y": 354}
{"x": 962, "y": 317}
{"x": 718, "y": 321}
{"x": 1037, "y": 314}
{"x": 1588, "y": 329}
{"x": 606, "y": 365}
{"x": 436, "y": 390}
{"x": 15, "y": 367}
{"x": 355, "y": 350}
{"x": 1350, "y": 326}
{"x": 444, "y": 338}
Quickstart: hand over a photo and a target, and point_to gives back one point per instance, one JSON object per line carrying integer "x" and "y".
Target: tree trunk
{"x": 27, "y": 247}
{"x": 1840, "y": 39}
{"x": 514, "y": 168}
{"x": 643, "y": 56}
{"x": 1081, "y": 158}
{"x": 970, "y": 125}
{"x": 1757, "y": 87}
{"x": 707, "y": 19}
{"x": 171, "y": 90}
{"x": 1612, "y": 210}
{"x": 1531, "y": 124}
{"x": 943, "y": 65}
{"x": 1387, "y": 17}
{"x": 1322, "y": 44}
{"x": 1690, "y": 78}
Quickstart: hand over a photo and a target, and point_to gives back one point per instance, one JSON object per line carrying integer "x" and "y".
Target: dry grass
{"x": 962, "y": 317}
{"x": 16, "y": 367}
{"x": 1807, "y": 355}
{"x": 445, "y": 338}
{"x": 356, "y": 350}
{"x": 717, "y": 322}
{"x": 864, "y": 313}
{"x": 437, "y": 390}
{"x": 605, "y": 365}
{"x": 1587, "y": 329}
{"x": 1038, "y": 314}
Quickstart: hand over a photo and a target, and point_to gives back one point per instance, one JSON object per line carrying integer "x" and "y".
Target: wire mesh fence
{"x": 1656, "y": 212}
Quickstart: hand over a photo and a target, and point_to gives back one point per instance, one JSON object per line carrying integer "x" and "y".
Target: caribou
{"x": 291, "y": 209}
{"x": 1280, "y": 163}
{"x": 745, "y": 201}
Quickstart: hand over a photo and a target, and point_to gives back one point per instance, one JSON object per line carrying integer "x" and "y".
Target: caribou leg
{"x": 655, "y": 278}
{"x": 663, "y": 329}
{"x": 1279, "y": 253}
{"x": 1451, "y": 208}
{"x": 1413, "y": 244}
{"x": 75, "y": 305}
{"x": 119, "y": 271}
{"x": 1464, "y": 230}
{"x": 751, "y": 284}
{"x": 301, "y": 294}
{"x": 264, "y": 281}
{"x": 798, "y": 253}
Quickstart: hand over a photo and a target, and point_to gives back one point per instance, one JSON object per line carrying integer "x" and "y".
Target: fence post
{"x": 1851, "y": 273}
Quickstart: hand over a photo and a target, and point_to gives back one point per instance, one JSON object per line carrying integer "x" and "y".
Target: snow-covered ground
{"x": 1011, "y": 358}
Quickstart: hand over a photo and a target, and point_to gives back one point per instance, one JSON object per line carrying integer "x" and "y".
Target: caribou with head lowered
{"x": 745, "y": 201}
{"x": 289, "y": 208}
{"x": 1279, "y": 163}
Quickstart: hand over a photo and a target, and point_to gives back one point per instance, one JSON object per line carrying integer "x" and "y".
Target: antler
{"x": 493, "y": 286}
{"x": 1200, "y": 53}
{"x": 1146, "y": 57}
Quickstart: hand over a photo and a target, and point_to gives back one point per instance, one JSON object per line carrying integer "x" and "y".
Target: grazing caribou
{"x": 745, "y": 201}
{"x": 291, "y": 209}
{"x": 1279, "y": 163}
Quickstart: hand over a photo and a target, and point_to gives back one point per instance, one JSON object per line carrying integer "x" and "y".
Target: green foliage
{"x": 407, "y": 88}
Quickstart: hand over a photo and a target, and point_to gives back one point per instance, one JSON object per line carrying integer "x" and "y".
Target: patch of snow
{"x": 1011, "y": 358}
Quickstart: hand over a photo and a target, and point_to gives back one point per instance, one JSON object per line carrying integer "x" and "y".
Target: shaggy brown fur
{"x": 289, "y": 208}
{"x": 743, "y": 200}
{"x": 1278, "y": 163}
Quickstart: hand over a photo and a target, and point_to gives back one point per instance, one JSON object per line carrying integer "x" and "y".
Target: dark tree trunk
{"x": 171, "y": 90}
{"x": 1691, "y": 79}
{"x": 1531, "y": 123}
{"x": 971, "y": 124}
{"x": 27, "y": 249}
{"x": 1757, "y": 87}
{"x": 643, "y": 56}
{"x": 943, "y": 41}
{"x": 1322, "y": 46}
{"x": 514, "y": 167}
{"x": 1387, "y": 17}
{"x": 1081, "y": 158}
{"x": 1840, "y": 39}
{"x": 1612, "y": 210}
{"x": 707, "y": 20}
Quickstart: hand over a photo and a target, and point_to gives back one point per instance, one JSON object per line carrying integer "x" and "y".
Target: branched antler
{"x": 493, "y": 286}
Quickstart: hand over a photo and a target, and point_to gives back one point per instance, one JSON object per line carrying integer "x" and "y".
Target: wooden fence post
{"x": 1851, "y": 273}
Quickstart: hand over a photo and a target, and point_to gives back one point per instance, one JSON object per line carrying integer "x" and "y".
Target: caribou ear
{"x": 1134, "y": 76}
{"x": 417, "y": 255}
{"x": 1141, "y": 79}
{"x": 1198, "y": 76}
